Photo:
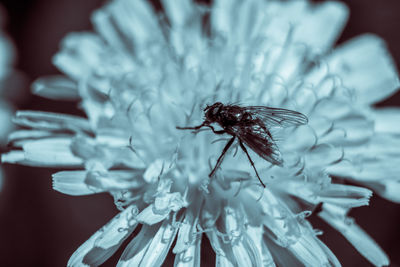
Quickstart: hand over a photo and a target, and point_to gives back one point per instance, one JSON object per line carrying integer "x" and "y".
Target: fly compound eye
{"x": 215, "y": 110}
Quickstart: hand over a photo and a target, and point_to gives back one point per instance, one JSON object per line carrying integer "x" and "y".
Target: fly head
{"x": 211, "y": 112}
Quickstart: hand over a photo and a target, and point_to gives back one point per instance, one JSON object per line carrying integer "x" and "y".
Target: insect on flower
{"x": 250, "y": 125}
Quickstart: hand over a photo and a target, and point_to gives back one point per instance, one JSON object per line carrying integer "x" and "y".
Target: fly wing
{"x": 277, "y": 117}
{"x": 260, "y": 141}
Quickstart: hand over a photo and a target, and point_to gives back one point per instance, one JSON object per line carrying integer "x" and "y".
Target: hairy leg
{"x": 221, "y": 157}
{"x": 251, "y": 162}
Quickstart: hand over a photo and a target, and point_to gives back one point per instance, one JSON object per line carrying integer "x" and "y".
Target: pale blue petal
{"x": 102, "y": 245}
{"x": 190, "y": 257}
{"x": 342, "y": 195}
{"x": 52, "y": 121}
{"x": 179, "y": 12}
{"x": 48, "y": 152}
{"x": 150, "y": 247}
{"x": 115, "y": 180}
{"x": 355, "y": 235}
{"x": 81, "y": 54}
{"x": 19, "y": 137}
{"x": 136, "y": 22}
{"x": 73, "y": 183}
{"x": 150, "y": 215}
{"x": 56, "y": 87}
{"x": 188, "y": 235}
{"x": 320, "y": 25}
{"x": 387, "y": 188}
{"x": 366, "y": 168}
{"x": 386, "y": 120}
{"x": 365, "y": 66}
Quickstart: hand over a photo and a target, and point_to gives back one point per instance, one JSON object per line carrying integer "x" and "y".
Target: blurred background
{"x": 41, "y": 227}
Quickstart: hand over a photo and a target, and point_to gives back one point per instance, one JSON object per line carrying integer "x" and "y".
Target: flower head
{"x": 143, "y": 73}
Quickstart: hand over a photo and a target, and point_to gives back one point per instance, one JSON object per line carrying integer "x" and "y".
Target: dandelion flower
{"x": 143, "y": 72}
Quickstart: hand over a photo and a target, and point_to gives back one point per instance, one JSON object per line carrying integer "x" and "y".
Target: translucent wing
{"x": 277, "y": 117}
{"x": 258, "y": 139}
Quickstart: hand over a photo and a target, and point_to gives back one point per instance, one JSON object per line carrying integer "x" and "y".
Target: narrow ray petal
{"x": 73, "y": 183}
{"x": 355, "y": 235}
{"x": 150, "y": 246}
{"x": 100, "y": 246}
{"x": 56, "y": 87}
{"x": 365, "y": 66}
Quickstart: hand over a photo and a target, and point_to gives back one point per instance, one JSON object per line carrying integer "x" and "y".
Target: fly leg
{"x": 251, "y": 162}
{"x": 198, "y": 127}
{"x": 215, "y": 131}
{"x": 221, "y": 157}
{"x": 191, "y": 128}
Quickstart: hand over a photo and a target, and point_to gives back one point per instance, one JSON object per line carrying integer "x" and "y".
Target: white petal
{"x": 178, "y": 11}
{"x": 223, "y": 251}
{"x": 17, "y": 137}
{"x": 256, "y": 235}
{"x": 188, "y": 235}
{"x": 279, "y": 220}
{"x": 51, "y": 152}
{"x": 150, "y": 247}
{"x": 342, "y": 195}
{"x": 51, "y": 121}
{"x": 246, "y": 253}
{"x": 365, "y": 66}
{"x": 333, "y": 108}
{"x": 323, "y": 155}
{"x": 289, "y": 232}
{"x": 114, "y": 180}
{"x": 281, "y": 255}
{"x": 16, "y": 156}
{"x": 73, "y": 183}
{"x": 366, "y": 168}
{"x": 316, "y": 26}
{"x": 102, "y": 245}
{"x": 385, "y": 120}
{"x": 102, "y": 22}
{"x": 222, "y": 261}
{"x": 300, "y": 140}
{"x": 56, "y": 87}
{"x": 383, "y": 147}
{"x": 356, "y": 236}
{"x": 305, "y": 99}
{"x": 357, "y": 128}
{"x": 154, "y": 170}
{"x": 190, "y": 256}
{"x": 226, "y": 20}
{"x": 244, "y": 250}
{"x": 136, "y": 21}
{"x": 81, "y": 54}
{"x": 95, "y": 150}
{"x": 309, "y": 251}
{"x": 387, "y": 188}
{"x": 321, "y": 25}
{"x": 150, "y": 215}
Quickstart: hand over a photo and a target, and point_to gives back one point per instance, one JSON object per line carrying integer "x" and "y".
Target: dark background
{"x": 41, "y": 227}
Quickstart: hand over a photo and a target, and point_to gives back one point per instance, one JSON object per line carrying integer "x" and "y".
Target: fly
{"x": 250, "y": 125}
